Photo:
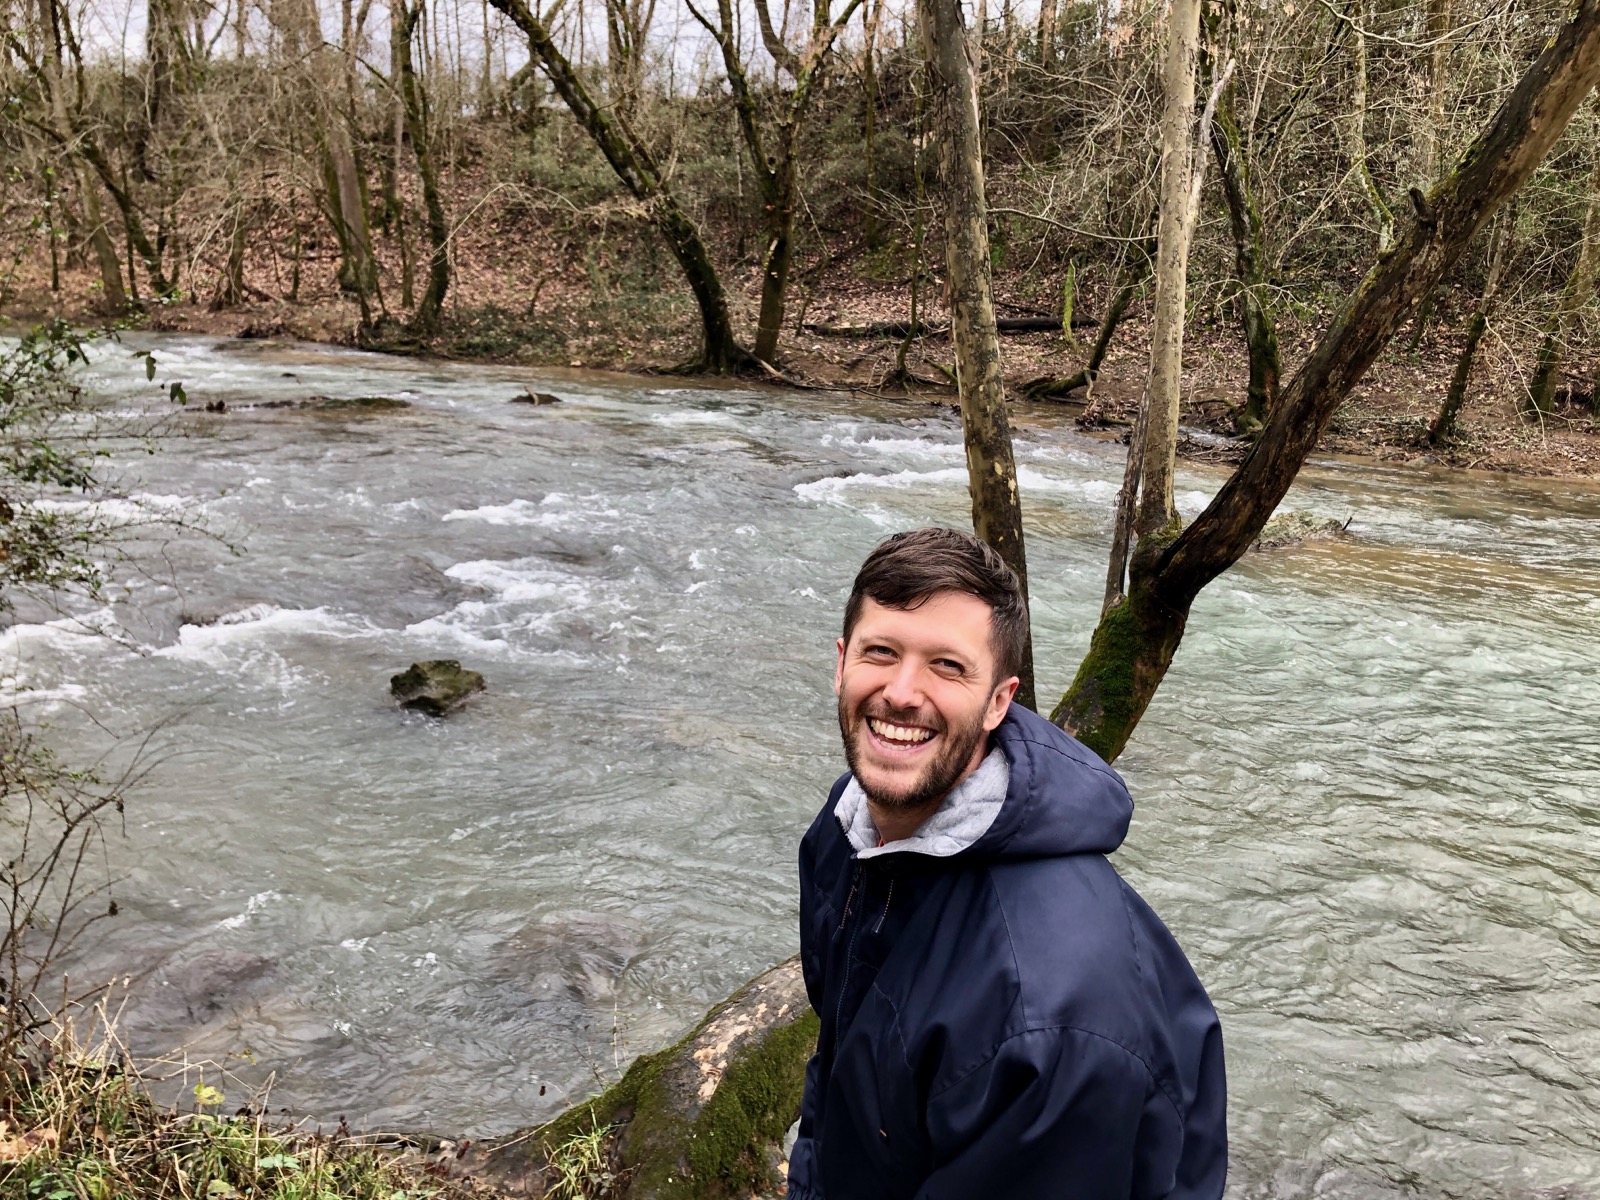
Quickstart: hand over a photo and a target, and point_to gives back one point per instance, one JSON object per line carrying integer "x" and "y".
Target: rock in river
{"x": 1293, "y": 528}
{"x": 435, "y": 687}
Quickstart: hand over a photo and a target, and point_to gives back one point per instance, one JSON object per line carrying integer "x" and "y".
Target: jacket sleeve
{"x": 1060, "y": 1112}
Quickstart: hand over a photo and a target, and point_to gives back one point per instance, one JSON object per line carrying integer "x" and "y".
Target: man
{"x": 1002, "y": 1016}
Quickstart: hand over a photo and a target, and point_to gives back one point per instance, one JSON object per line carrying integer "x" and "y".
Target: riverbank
{"x": 567, "y": 315}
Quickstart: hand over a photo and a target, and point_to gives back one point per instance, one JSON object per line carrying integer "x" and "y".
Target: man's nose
{"x": 903, "y": 689}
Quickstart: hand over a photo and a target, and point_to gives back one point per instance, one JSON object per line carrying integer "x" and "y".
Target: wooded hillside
{"x": 410, "y": 177}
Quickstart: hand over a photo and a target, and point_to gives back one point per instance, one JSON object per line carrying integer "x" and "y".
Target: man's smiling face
{"x": 918, "y": 697}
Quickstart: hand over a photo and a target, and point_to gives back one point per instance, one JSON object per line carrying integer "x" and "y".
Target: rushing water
{"x": 1368, "y": 793}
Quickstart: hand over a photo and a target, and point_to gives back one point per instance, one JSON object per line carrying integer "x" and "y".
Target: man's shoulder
{"x": 1059, "y": 944}
{"x": 1076, "y": 933}
{"x": 824, "y": 829}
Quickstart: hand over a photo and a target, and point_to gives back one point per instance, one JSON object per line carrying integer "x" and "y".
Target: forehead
{"x": 952, "y": 622}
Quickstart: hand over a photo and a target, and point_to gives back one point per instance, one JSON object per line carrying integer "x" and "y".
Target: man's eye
{"x": 950, "y": 666}
{"x": 877, "y": 652}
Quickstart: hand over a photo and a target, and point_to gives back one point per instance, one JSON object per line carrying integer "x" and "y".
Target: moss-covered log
{"x": 1135, "y": 641}
{"x": 703, "y": 1119}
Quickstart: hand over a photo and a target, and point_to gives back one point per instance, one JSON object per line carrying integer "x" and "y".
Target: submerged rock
{"x": 529, "y": 396}
{"x": 581, "y": 956}
{"x": 1293, "y": 528}
{"x": 435, "y": 687}
{"x": 355, "y": 404}
{"x": 706, "y": 1117}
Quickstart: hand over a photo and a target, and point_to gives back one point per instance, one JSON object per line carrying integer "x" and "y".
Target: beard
{"x": 935, "y": 779}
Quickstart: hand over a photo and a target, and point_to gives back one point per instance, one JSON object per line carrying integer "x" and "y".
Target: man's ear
{"x": 1000, "y": 701}
{"x": 838, "y": 668}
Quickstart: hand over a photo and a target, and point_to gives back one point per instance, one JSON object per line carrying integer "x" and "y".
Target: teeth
{"x": 899, "y": 733}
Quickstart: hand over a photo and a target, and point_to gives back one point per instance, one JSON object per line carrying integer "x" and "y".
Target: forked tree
{"x": 1135, "y": 640}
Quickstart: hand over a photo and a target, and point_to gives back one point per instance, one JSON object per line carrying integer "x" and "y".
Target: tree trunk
{"x": 869, "y": 87}
{"x": 403, "y": 24}
{"x": 1444, "y": 423}
{"x": 1250, "y": 264}
{"x": 1579, "y": 288}
{"x": 991, "y": 469}
{"x": 1436, "y": 24}
{"x": 231, "y": 290}
{"x": 116, "y": 296}
{"x": 777, "y": 170}
{"x": 775, "y": 266}
{"x": 1135, "y": 640}
{"x": 704, "y": 1118}
{"x": 132, "y": 224}
{"x": 720, "y": 352}
{"x": 1156, "y": 513}
{"x": 300, "y": 25}
{"x": 1359, "y": 165}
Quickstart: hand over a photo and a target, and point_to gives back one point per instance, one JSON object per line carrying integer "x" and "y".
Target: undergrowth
{"x": 78, "y": 1122}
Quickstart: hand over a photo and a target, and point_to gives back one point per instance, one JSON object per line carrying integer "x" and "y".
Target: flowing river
{"x": 1368, "y": 794}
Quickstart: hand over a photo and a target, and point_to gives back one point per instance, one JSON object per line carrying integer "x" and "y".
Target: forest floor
{"x": 551, "y": 299}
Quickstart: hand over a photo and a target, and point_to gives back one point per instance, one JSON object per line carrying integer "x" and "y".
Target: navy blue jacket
{"x": 1011, "y": 1021}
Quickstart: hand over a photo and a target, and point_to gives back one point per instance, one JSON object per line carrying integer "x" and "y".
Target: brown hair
{"x": 906, "y": 569}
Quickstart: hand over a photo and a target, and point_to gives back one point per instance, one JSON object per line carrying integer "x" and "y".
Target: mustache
{"x": 899, "y": 716}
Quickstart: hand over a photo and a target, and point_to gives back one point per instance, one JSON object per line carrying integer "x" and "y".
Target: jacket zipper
{"x": 850, "y": 949}
{"x": 883, "y": 916}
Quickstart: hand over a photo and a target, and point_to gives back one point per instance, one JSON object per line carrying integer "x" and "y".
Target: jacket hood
{"x": 1061, "y": 799}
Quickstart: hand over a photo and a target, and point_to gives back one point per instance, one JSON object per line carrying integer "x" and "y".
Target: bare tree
{"x": 1444, "y": 422}
{"x": 776, "y": 160}
{"x": 986, "y": 429}
{"x": 404, "y": 15}
{"x": 1578, "y": 291}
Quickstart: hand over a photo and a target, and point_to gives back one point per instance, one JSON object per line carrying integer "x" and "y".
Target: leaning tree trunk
{"x": 403, "y": 28}
{"x": 1133, "y": 644}
{"x": 991, "y": 469}
{"x": 1444, "y": 423}
{"x": 1580, "y": 287}
{"x": 628, "y": 156}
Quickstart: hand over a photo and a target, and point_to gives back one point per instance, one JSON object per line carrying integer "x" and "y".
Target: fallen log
{"x": 901, "y": 329}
